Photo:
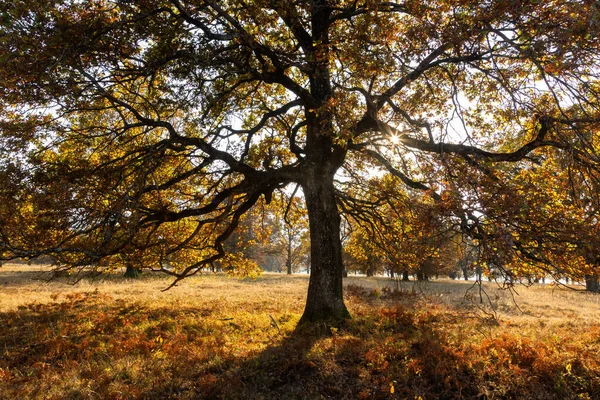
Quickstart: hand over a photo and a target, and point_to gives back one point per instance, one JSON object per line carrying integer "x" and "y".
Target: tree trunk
{"x": 288, "y": 261}
{"x": 132, "y": 272}
{"x": 405, "y": 276}
{"x": 592, "y": 283}
{"x": 325, "y": 299}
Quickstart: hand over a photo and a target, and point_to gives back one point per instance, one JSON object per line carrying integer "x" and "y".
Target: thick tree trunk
{"x": 325, "y": 299}
{"x": 405, "y": 276}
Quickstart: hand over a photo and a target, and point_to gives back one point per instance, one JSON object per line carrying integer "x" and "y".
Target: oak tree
{"x": 149, "y": 128}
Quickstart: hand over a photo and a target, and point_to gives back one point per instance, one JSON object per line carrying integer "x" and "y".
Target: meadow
{"x": 216, "y": 337}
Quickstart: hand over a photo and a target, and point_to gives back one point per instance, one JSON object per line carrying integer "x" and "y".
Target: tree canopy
{"x": 148, "y": 129}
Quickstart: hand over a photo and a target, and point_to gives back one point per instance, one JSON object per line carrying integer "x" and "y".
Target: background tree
{"x": 544, "y": 223}
{"x": 290, "y": 231}
{"x": 400, "y": 233}
{"x": 194, "y": 110}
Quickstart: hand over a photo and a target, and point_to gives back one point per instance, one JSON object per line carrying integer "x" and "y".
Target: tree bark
{"x": 325, "y": 299}
{"x": 132, "y": 272}
{"x": 405, "y": 276}
{"x": 465, "y": 273}
{"x": 288, "y": 261}
{"x": 592, "y": 283}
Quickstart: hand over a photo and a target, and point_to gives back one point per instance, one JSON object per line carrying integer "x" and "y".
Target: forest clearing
{"x": 216, "y": 337}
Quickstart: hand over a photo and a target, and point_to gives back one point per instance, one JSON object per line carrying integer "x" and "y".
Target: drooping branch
{"x": 218, "y": 244}
{"x": 395, "y": 172}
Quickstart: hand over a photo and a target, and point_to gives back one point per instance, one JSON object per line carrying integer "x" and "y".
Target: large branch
{"x": 259, "y": 182}
{"x": 423, "y": 66}
{"x": 466, "y": 150}
{"x": 290, "y": 17}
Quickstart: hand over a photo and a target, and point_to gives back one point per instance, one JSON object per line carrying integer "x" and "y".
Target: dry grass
{"x": 214, "y": 337}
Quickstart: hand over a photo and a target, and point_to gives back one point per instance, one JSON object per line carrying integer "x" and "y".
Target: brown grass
{"x": 214, "y": 337}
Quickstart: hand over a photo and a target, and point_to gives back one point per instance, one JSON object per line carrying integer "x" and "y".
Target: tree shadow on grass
{"x": 400, "y": 352}
{"x": 89, "y": 345}
{"x": 313, "y": 362}
{"x": 374, "y": 356}
{"x": 92, "y": 346}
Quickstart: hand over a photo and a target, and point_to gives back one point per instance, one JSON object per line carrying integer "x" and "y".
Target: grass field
{"x": 214, "y": 337}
